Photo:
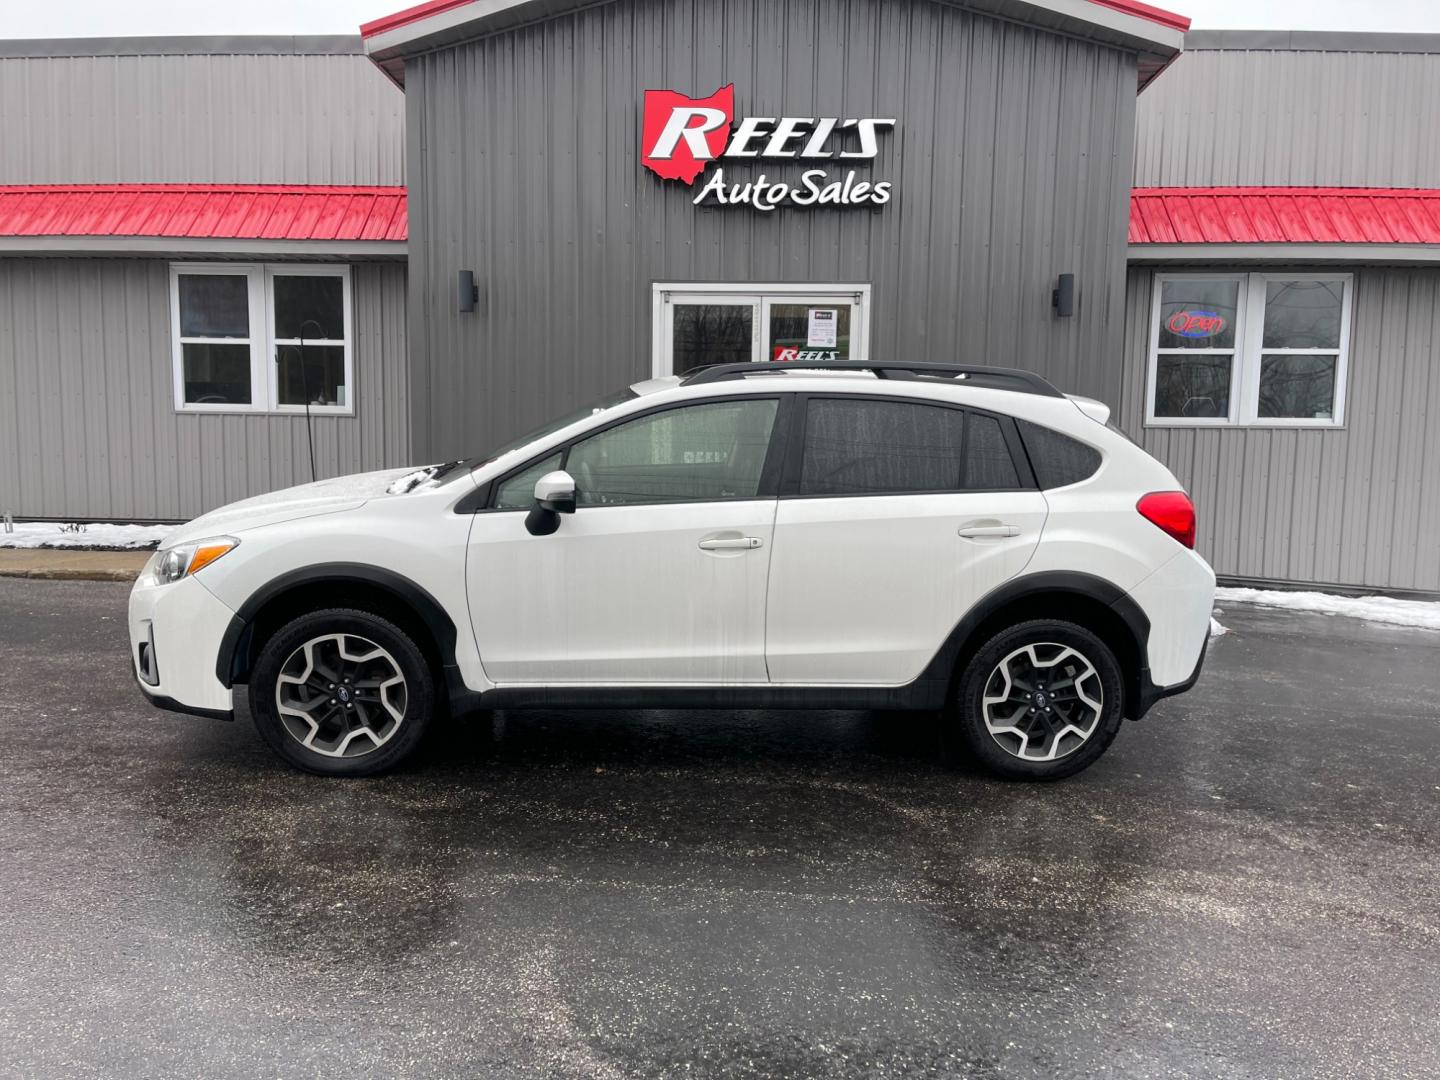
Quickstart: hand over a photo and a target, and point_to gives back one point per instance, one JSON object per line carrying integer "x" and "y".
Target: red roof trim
{"x": 1147, "y": 11}
{"x": 409, "y": 15}
{"x": 1284, "y": 215}
{"x": 438, "y": 7}
{"x": 205, "y": 211}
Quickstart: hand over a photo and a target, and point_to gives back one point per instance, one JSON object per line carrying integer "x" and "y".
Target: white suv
{"x": 906, "y": 537}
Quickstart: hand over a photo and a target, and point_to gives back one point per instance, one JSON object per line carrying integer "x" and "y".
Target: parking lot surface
{"x": 1247, "y": 885}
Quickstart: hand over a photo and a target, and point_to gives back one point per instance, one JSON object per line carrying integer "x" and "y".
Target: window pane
{"x": 309, "y": 306}
{"x": 1297, "y": 386}
{"x": 1198, "y": 314}
{"x": 518, "y": 493}
{"x": 809, "y": 332}
{"x": 868, "y": 447}
{"x": 214, "y": 305}
{"x": 701, "y": 452}
{"x": 321, "y": 379}
{"x": 1302, "y": 314}
{"x": 1057, "y": 459}
{"x": 709, "y": 334}
{"x": 987, "y": 457}
{"x": 1194, "y": 386}
{"x": 216, "y": 374}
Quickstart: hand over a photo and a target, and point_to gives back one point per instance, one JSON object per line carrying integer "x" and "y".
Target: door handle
{"x": 987, "y": 532}
{"x": 730, "y": 543}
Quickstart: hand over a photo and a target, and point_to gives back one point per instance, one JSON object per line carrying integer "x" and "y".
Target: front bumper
{"x": 175, "y": 635}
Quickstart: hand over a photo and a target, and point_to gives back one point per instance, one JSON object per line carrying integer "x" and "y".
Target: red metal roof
{"x": 209, "y": 211}
{"x": 1284, "y": 215}
{"x": 437, "y": 7}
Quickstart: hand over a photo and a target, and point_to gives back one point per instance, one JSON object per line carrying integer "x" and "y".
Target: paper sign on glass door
{"x": 824, "y": 328}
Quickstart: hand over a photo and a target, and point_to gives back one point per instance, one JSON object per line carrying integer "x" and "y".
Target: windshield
{"x": 555, "y": 425}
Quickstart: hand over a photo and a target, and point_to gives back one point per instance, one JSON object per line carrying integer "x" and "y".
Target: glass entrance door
{"x": 700, "y": 325}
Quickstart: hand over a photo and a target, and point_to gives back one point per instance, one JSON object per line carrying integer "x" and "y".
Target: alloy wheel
{"x": 341, "y": 695}
{"x": 1043, "y": 701}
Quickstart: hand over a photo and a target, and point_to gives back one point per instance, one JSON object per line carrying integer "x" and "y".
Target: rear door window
{"x": 863, "y": 446}
{"x": 988, "y": 465}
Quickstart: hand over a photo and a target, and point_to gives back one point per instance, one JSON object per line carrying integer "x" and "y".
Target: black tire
{"x": 414, "y": 700}
{"x": 1001, "y": 753}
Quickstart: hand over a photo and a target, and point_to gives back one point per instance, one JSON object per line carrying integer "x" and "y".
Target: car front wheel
{"x": 342, "y": 692}
{"x": 1040, "y": 700}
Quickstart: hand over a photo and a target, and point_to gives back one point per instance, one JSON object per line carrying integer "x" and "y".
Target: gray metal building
{"x": 1008, "y": 151}
{"x": 1341, "y": 484}
{"x": 635, "y": 187}
{"x": 112, "y": 150}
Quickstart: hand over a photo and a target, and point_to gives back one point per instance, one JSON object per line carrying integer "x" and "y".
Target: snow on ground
{"x": 1216, "y": 630}
{"x": 1382, "y": 609}
{"x": 51, "y": 534}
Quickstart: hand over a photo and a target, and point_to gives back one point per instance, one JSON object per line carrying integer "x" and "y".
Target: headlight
{"x": 183, "y": 560}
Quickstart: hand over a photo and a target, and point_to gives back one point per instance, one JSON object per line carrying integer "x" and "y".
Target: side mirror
{"x": 555, "y": 491}
{"x": 554, "y": 495}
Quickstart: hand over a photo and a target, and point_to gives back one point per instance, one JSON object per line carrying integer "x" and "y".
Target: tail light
{"x": 1172, "y": 512}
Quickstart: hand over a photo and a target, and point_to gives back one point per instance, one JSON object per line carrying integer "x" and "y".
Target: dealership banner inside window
{"x": 257, "y": 338}
{"x": 1256, "y": 349}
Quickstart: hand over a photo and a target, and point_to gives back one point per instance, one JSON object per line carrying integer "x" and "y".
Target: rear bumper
{"x": 175, "y": 635}
{"x": 1150, "y": 693}
{"x": 1177, "y": 600}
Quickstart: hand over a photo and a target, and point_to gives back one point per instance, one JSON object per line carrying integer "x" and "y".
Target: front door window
{"x": 700, "y": 325}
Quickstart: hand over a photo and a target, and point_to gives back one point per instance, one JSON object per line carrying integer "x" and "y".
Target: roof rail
{"x": 990, "y": 378}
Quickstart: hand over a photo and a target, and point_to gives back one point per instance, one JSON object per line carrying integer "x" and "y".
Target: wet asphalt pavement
{"x": 1247, "y": 885}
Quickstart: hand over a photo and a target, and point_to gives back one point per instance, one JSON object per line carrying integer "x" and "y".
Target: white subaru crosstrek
{"x": 907, "y": 537}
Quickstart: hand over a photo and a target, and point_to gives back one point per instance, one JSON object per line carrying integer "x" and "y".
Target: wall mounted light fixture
{"x": 469, "y": 291}
{"x": 1063, "y": 298}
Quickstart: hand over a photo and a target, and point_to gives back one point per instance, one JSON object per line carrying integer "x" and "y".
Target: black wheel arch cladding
{"x": 238, "y": 647}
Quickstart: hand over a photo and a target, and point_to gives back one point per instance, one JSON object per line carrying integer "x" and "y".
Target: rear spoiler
{"x": 1096, "y": 410}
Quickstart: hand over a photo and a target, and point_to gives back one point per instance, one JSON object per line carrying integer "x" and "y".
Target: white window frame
{"x": 760, "y": 297}
{"x": 264, "y": 346}
{"x": 1246, "y": 356}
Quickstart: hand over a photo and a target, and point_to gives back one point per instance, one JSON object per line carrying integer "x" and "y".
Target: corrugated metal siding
{"x": 267, "y": 118}
{"x": 1358, "y": 506}
{"x": 1011, "y": 162}
{"x": 87, "y": 420}
{"x": 1255, "y": 116}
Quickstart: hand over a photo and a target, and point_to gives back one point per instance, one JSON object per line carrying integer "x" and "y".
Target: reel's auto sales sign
{"x": 682, "y": 136}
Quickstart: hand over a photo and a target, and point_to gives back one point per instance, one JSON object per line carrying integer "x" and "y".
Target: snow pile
{"x": 422, "y": 479}
{"x": 1216, "y": 630}
{"x": 1381, "y": 609}
{"x": 410, "y": 481}
{"x": 50, "y": 534}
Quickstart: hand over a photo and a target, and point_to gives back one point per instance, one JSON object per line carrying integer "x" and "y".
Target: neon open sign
{"x": 1196, "y": 324}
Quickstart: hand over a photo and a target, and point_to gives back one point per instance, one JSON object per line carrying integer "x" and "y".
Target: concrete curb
{"x": 62, "y": 564}
{"x": 61, "y": 573}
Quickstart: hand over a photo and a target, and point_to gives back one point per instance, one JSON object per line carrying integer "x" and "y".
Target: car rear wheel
{"x": 342, "y": 692}
{"x": 1040, "y": 700}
